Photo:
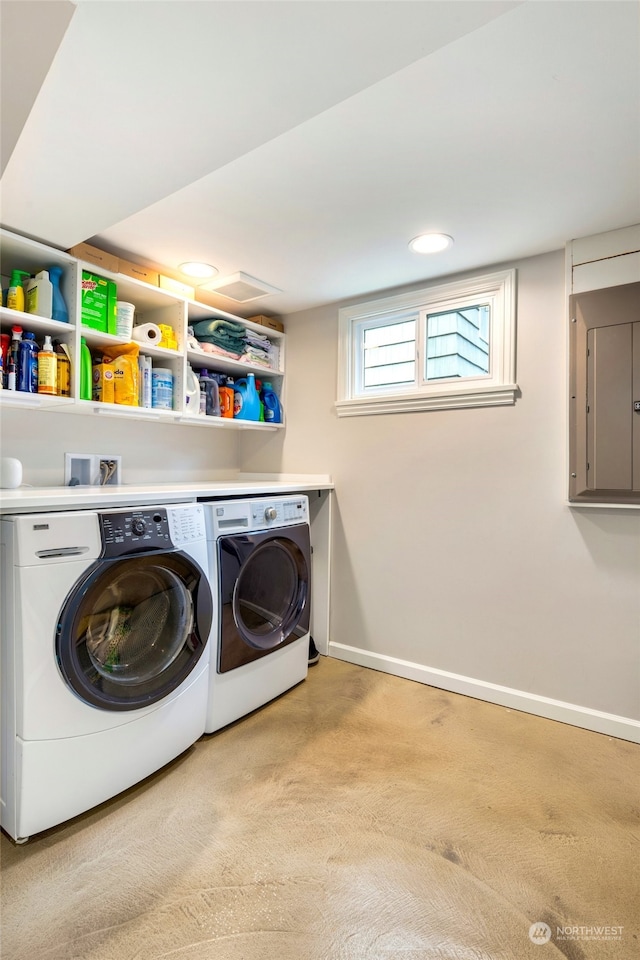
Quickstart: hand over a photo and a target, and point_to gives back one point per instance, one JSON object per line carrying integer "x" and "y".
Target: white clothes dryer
{"x": 106, "y": 618}
{"x": 260, "y": 568}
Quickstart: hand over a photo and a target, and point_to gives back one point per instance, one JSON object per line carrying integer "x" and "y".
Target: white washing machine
{"x": 260, "y": 566}
{"x": 106, "y": 619}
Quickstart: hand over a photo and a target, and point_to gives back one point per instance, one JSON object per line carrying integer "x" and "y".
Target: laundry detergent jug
{"x": 272, "y": 408}
{"x": 246, "y": 402}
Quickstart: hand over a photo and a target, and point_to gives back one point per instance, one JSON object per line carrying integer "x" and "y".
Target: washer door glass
{"x": 270, "y": 595}
{"x": 133, "y": 629}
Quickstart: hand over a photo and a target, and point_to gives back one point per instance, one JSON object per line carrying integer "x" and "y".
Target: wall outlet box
{"x": 92, "y": 470}
{"x": 98, "y": 303}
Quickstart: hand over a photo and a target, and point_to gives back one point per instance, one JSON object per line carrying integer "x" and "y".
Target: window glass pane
{"x": 389, "y": 353}
{"x": 387, "y": 375}
{"x": 458, "y": 343}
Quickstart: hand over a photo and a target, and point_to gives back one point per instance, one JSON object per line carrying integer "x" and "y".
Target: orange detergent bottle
{"x": 226, "y": 399}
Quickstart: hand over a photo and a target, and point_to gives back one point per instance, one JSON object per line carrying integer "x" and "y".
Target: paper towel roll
{"x": 147, "y": 333}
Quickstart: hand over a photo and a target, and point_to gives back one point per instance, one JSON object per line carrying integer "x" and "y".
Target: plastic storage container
{"x": 162, "y": 388}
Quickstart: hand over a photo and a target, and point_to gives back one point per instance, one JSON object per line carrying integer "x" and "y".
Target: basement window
{"x": 442, "y": 347}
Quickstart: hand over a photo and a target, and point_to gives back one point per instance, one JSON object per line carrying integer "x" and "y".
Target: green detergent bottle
{"x": 85, "y": 370}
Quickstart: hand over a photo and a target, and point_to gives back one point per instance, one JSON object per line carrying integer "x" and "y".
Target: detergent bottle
{"x": 28, "y": 363}
{"x": 272, "y": 408}
{"x": 86, "y": 385}
{"x": 192, "y": 392}
{"x": 246, "y": 402}
{"x": 226, "y": 393}
{"x": 40, "y": 295}
{"x": 212, "y": 403}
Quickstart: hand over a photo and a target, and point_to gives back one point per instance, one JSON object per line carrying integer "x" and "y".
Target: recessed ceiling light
{"x": 194, "y": 268}
{"x": 431, "y": 243}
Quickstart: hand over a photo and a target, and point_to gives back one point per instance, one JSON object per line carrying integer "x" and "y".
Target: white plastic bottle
{"x": 40, "y": 295}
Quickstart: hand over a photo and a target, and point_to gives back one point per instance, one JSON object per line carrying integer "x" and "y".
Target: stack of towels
{"x": 260, "y": 350}
{"x": 227, "y": 338}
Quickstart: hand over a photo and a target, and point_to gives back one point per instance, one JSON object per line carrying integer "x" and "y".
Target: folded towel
{"x": 228, "y": 342}
{"x": 218, "y": 351}
{"x": 218, "y": 325}
{"x": 253, "y": 337}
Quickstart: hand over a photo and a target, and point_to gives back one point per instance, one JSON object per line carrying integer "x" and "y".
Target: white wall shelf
{"x": 152, "y": 305}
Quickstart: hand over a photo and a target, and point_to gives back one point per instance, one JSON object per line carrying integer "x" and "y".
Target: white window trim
{"x": 496, "y": 388}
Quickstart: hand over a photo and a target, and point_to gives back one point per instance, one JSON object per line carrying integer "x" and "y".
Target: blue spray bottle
{"x": 59, "y": 308}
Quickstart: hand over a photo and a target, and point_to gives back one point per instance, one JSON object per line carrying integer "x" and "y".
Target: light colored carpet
{"x": 358, "y": 817}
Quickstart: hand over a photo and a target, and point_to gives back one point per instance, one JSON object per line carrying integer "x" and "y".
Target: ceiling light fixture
{"x": 202, "y": 271}
{"x": 431, "y": 243}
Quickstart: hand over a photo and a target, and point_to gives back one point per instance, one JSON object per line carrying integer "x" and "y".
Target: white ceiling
{"x": 305, "y": 143}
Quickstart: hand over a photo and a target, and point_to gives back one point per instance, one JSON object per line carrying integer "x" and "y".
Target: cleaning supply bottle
{"x": 259, "y": 389}
{"x": 85, "y": 371}
{"x": 58, "y": 306}
{"x": 5, "y": 340}
{"x": 40, "y": 295}
{"x": 192, "y": 392}
{"x": 272, "y": 408}
{"x": 28, "y": 364}
{"x": 63, "y": 369}
{"x": 47, "y": 369}
{"x": 13, "y": 365}
{"x": 246, "y": 402}
{"x": 226, "y": 393}
{"x": 15, "y": 296}
{"x": 212, "y": 407}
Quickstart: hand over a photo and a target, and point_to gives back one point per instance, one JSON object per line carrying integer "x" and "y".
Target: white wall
{"x": 151, "y": 452}
{"x": 454, "y": 548}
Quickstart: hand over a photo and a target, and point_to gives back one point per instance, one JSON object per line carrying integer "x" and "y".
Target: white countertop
{"x": 39, "y": 499}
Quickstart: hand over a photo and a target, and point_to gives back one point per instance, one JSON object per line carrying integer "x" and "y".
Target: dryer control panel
{"x": 236, "y": 516}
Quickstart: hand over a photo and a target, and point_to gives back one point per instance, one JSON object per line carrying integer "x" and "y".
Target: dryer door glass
{"x": 265, "y": 596}
{"x": 133, "y": 629}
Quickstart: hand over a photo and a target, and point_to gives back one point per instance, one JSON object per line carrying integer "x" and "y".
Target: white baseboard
{"x": 610, "y": 724}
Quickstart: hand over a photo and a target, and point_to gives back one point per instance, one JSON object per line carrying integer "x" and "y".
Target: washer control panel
{"x": 235, "y": 516}
{"x": 134, "y": 531}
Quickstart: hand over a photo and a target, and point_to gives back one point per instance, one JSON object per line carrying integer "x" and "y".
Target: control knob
{"x": 138, "y": 526}
{"x": 270, "y": 513}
